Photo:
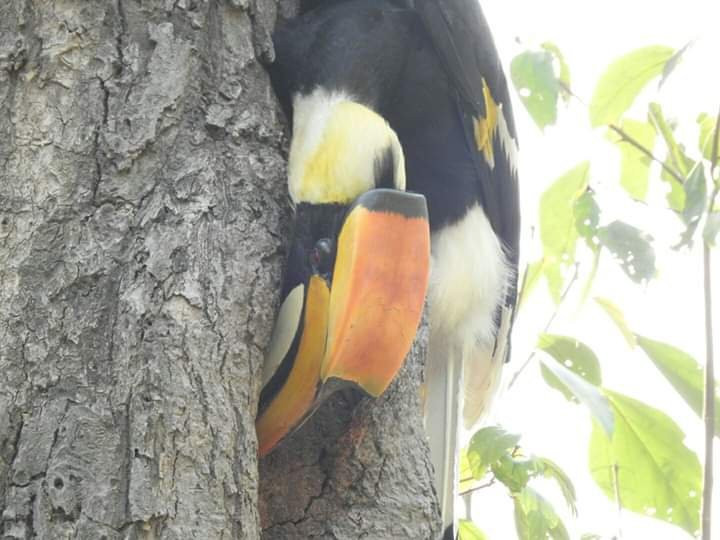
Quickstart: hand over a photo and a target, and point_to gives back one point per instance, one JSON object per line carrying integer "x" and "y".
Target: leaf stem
{"x": 479, "y": 487}
{"x": 709, "y": 401}
{"x": 547, "y": 325}
{"x": 625, "y": 136}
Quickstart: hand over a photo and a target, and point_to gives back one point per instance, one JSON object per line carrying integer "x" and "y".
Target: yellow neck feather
{"x": 335, "y": 145}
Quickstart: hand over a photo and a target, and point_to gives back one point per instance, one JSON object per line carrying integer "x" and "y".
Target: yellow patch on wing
{"x": 485, "y": 127}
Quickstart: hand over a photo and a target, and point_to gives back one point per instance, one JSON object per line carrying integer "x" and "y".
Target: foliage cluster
{"x": 637, "y": 455}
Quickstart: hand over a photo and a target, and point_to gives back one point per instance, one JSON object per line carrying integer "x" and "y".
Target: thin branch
{"x": 709, "y": 402}
{"x": 547, "y": 325}
{"x": 625, "y": 136}
{"x": 479, "y": 487}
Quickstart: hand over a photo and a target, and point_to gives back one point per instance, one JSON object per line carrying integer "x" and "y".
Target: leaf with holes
{"x": 588, "y": 394}
{"x": 563, "y": 73}
{"x": 587, "y": 217}
{"x": 695, "y": 202}
{"x": 533, "y": 76}
{"x": 657, "y": 475}
{"x": 535, "y": 518}
{"x": 631, "y": 248}
{"x": 623, "y": 80}
{"x": 683, "y": 372}
{"x": 574, "y": 355}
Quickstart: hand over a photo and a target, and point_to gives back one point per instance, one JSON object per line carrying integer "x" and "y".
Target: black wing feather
{"x": 463, "y": 41}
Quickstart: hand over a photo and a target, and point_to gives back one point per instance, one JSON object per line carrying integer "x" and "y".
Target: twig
{"x": 547, "y": 325}
{"x": 709, "y": 402}
{"x": 479, "y": 487}
{"x": 625, "y": 136}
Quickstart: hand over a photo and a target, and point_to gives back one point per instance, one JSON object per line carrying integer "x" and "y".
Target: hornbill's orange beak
{"x": 356, "y": 324}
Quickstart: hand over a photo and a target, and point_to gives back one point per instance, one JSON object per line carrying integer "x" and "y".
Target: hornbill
{"x": 397, "y": 94}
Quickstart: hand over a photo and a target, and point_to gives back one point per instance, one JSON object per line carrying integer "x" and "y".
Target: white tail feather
{"x": 482, "y": 371}
{"x": 443, "y": 380}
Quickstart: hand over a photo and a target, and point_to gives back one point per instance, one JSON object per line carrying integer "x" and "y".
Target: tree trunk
{"x": 143, "y": 212}
{"x": 357, "y": 469}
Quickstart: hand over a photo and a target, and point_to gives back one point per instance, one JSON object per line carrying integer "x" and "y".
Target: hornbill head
{"x": 357, "y": 267}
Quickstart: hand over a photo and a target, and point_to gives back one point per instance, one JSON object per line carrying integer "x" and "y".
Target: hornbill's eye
{"x": 321, "y": 256}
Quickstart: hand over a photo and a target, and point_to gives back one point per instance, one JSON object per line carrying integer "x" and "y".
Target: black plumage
{"x": 420, "y": 65}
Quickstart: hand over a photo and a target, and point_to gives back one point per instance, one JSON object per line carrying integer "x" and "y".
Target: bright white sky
{"x": 591, "y": 35}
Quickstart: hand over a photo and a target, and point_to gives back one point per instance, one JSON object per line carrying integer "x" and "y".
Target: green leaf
{"x": 557, "y": 217}
{"x": 695, "y": 203}
{"x": 531, "y": 276}
{"x": 536, "y": 519}
{"x": 675, "y": 195}
{"x": 514, "y": 471}
{"x": 657, "y": 474}
{"x": 712, "y": 228}
{"x": 550, "y": 469}
{"x": 676, "y": 154}
{"x": 707, "y": 123}
{"x": 564, "y": 72}
{"x": 575, "y": 356}
{"x": 623, "y": 80}
{"x": 676, "y": 159}
{"x": 674, "y": 62}
{"x": 467, "y": 479}
{"x": 534, "y": 78}
{"x": 631, "y": 248}
{"x": 469, "y": 531}
{"x": 617, "y": 316}
{"x": 587, "y": 217}
{"x": 588, "y": 394}
{"x": 487, "y": 446}
{"x": 634, "y": 164}
{"x": 683, "y": 372}
{"x": 587, "y": 287}
{"x": 554, "y": 277}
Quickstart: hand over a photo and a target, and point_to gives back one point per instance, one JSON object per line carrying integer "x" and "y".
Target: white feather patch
{"x": 335, "y": 144}
{"x": 468, "y": 280}
{"x": 507, "y": 142}
{"x": 286, "y": 326}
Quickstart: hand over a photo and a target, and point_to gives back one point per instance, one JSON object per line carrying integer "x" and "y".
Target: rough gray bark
{"x": 357, "y": 469}
{"x": 141, "y": 200}
{"x": 142, "y": 218}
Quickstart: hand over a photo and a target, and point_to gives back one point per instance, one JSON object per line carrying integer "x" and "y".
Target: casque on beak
{"x": 363, "y": 273}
